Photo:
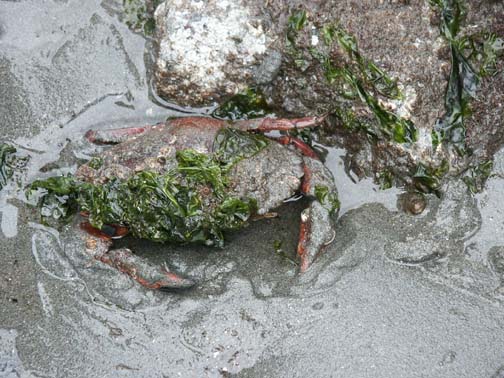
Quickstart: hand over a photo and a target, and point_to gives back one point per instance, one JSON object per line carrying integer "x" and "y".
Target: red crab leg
{"x": 281, "y": 124}
{"x": 113, "y": 231}
{"x": 304, "y": 148}
{"x": 315, "y": 220}
{"x": 94, "y": 231}
{"x": 303, "y": 252}
{"x": 146, "y": 274}
{"x": 306, "y": 183}
{"x": 317, "y": 224}
{"x": 304, "y": 232}
{"x": 114, "y": 136}
{"x": 316, "y": 231}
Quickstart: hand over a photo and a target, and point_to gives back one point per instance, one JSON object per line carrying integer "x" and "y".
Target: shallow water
{"x": 394, "y": 295}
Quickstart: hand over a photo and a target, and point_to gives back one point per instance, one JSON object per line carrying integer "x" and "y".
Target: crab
{"x": 260, "y": 174}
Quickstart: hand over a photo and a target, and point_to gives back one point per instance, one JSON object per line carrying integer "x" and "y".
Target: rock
{"x": 412, "y": 203}
{"x": 209, "y": 50}
{"x": 293, "y": 53}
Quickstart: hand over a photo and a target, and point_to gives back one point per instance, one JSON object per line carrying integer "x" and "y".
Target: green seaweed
{"x": 277, "y": 245}
{"x": 452, "y": 14}
{"x": 427, "y": 179}
{"x": 492, "y": 48}
{"x": 328, "y": 198}
{"x": 59, "y": 199}
{"x": 57, "y": 207}
{"x": 60, "y": 185}
{"x": 350, "y": 121}
{"x": 164, "y": 207}
{"x": 385, "y": 179}
{"x": 482, "y": 49}
{"x": 328, "y": 34}
{"x": 399, "y": 129}
{"x": 463, "y": 81}
{"x": 472, "y": 58}
{"x": 200, "y": 168}
{"x": 361, "y": 79}
{"x": 189, "y": 203}
{"x": 462, "y": 86}
{"x": 246, "y": 105}
{"x": 477, "y": 176}
{"x": 376, "y": 78}
{"x": 138, "y": 15}
{"x": 297, "y": 20}
{"x": 295, "y": 23}
{"x": 231, "y": 146}
{"x": 359, "y": 67}
{"x": 96, "y": 163}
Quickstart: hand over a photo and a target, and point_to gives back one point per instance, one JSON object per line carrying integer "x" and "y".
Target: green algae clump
{"x": 189, "y": 203}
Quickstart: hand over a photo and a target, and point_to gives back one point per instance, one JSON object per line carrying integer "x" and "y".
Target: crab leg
{"x": 316, "y": 230}
{"x": 317, "y": 220}
{"x": 152, "y": 277}
{"x": 280, "y": 124}
{"x": 114, "y": 231}
{"x": 315, "y": 233}
{"x": 115, "y": 136}
{"x": 148, "y": 275}
{"x": 304, "y": 148}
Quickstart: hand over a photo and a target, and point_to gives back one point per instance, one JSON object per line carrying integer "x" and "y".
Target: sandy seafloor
{"x": 393, "y": 296}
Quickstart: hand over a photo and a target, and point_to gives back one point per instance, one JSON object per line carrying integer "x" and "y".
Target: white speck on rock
{"x": 404, "y": 106}
{"x": 424, "y": 141}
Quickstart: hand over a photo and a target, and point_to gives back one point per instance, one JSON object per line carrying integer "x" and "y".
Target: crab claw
{"x": 304, "y": 148}
{"x": 316, "y": 232}
{"x": 317, "y": 220}
{"x": 149, "y": 275}
{"x": 146, "y": 274}
{"x": 115, "y": 136}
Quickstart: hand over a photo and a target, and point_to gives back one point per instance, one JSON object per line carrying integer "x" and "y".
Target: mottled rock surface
{"x": 209, "y": 50}
{"x": 205, "y": 55}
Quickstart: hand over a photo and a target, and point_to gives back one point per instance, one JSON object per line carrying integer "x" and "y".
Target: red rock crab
{"x": 257, "y": 173}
